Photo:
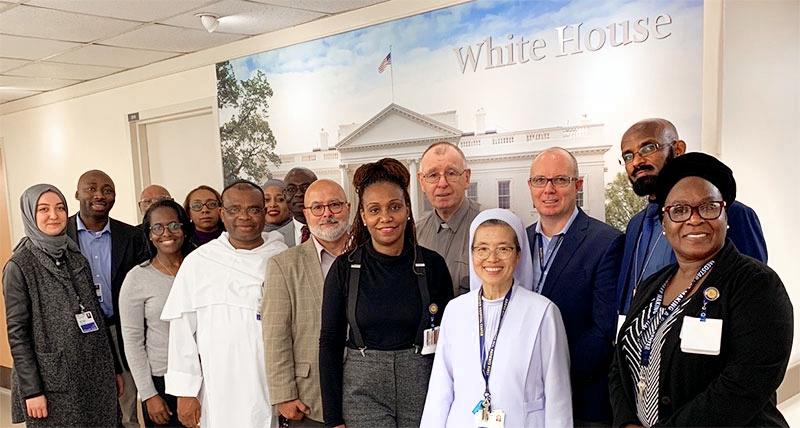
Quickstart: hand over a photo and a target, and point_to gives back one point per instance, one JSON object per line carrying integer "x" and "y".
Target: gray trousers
{"x": 385, "y": 389}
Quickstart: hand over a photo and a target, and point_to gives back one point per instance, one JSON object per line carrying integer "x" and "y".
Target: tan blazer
{"x": 292, "y": 313}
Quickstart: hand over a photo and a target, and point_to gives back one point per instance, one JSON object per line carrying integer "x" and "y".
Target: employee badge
{"x": 431, "y": 335}
{"x": 86, "y": 322}
{"x": 486, "y": 419}
{"x": 98, "y": 291}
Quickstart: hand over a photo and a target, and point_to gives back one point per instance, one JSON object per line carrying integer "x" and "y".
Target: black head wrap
{"x": 696, "y": 164}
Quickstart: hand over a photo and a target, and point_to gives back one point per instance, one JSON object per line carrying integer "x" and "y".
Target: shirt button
{"x": 95, "y": 257}
{"x": 666, "y": 401}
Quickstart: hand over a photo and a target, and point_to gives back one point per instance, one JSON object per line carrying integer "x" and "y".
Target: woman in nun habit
{"x": 502, "y": 358}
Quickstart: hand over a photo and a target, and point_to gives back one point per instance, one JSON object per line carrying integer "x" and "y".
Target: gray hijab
{"x": 54, "y": 246}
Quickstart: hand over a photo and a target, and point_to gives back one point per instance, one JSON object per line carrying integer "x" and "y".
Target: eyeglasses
{"x": 450, "y": 175}
{"x": 251, "y": 211}
{"x": 558, "y": 181}
{"x": 292, "y": 190}
{"x": 501, "y": 252}
{"x": 680, "y": 213}
{"x": 198, "y": 206}
{"x": 319, "y": 209}
{"x": 646, "y": 150}
{"x": 148, "y": 202}
{"x": 158, "y": 228}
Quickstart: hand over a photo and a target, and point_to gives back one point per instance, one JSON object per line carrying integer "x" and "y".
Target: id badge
{"x": 98, "y": 291}
{"x": 701, "y": 337}
{"x": 620, "y": 320}
{"x": 429, "y": 339}
{"x": 86, "y": 322}
{"x": 493, "y": 419}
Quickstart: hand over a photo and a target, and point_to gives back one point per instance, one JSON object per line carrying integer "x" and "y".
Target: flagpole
{"x": 391, "y": 71}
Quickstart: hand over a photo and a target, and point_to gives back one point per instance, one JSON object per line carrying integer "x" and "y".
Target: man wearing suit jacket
{"x": 292, "y": 306}
{"x": 112, "y": 249}
{"x": 575, "y": 264}
{"x": 297, "y": 181}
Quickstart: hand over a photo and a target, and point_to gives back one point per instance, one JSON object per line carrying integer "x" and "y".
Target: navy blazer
{"x": 128, "y": 249}
{"x": 582, "y": 283}
{"x": 745, "y": 232}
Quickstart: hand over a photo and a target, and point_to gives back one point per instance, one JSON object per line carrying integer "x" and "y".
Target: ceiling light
{"x": 210, "y": 22}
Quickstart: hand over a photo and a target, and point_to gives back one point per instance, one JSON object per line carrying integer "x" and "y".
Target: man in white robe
{"x": 216, "y": 352}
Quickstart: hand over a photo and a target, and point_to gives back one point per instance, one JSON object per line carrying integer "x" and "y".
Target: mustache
{"x": 329, "y": 220}
{"x": 642, "y": 167}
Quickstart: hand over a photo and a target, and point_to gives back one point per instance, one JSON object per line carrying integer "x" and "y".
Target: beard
{"x": 329, "y": 234}
{"x": 646, "y": 185}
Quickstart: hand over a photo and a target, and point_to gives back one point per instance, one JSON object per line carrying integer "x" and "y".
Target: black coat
{"x": 128, "y": 249}
{"x": 738, "y": 386}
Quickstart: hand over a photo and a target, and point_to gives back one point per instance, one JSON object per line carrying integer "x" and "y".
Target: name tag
{"x": 701, "y": 337}
{"x": 86, "y": 322}
{"x": 98, "y": 291}
{"x": 429, "y": 339}
{"x": 493, "y": 419}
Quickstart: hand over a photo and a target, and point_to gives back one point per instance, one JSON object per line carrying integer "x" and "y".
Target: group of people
{"x": 267, "y": 306}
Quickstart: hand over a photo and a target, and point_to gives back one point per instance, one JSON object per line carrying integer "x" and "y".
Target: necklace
{"x": 163, "y": 266}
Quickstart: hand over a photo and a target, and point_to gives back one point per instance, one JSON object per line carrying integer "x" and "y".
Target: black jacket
{"x": 736, "y": 387}
{"x": 128, "y": 249}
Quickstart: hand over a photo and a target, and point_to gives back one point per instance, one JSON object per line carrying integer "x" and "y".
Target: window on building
{"x": 579, "y": 196}
{"x": 504, "y": 194}
{"x": 472, "y": 192}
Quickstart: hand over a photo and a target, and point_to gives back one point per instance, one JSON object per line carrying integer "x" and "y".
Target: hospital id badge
{"x": 493, "y": 419}
{"x": 86, "y": 322}
{"x": 701, "y": 336}
{"x": 429, "y": 339}
{"x": 98, "y": 291}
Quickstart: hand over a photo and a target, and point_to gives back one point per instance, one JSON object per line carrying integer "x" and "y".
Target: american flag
{"x": 385, "y": 63}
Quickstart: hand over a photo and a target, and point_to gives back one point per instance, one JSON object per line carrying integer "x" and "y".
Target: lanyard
{"x": 654, "y": 320}
{"x": 545, "y": 264}
{"x": 486, "y": 360}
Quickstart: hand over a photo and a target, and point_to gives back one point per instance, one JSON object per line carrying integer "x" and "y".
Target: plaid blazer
{"x": 292, "y": 312}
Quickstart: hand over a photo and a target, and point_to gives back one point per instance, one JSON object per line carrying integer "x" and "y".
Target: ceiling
{"x": 49, "y": 44}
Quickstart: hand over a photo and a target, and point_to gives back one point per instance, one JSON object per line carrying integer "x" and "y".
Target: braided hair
{"x": 386, "y": 170}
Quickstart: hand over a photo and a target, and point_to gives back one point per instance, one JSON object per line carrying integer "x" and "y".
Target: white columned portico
{"x": 344, "y": 179}
{"x": 414, "y": 191}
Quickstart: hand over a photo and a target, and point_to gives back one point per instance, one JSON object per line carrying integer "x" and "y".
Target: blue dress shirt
{"x": 96, "y": 247}
{"x": 549, "y": 251}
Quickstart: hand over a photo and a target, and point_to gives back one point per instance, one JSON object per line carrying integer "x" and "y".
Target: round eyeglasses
{"x": 319, "y": 209}
{"x": 680, "y": 213}
{"x": 198, "y": 206}
{"x": 158, "y": 228}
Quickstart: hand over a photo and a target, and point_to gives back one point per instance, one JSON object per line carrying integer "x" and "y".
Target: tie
{"x": 304, "y": 234}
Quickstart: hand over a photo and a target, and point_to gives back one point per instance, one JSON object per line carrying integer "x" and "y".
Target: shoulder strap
{"x": 425, "y": 297}
{"x": 352, "y": 298}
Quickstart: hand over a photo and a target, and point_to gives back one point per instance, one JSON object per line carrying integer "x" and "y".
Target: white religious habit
{"x": 216, "y": 351}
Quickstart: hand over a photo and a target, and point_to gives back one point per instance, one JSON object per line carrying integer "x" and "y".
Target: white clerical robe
{"x": 216, "y": 351}
{"x": 530, "y": 375}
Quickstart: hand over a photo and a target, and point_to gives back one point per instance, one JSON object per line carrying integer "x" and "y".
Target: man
{"x": 214, "y": 310}
{"x": 297, "y": 181}
{"x": 150, "y": 195}
{"x": 444, "y": 178}
{"x": 575, "y": 264}
{"x": 647, "y": 146}
{"x": 293, "y": 305}
{"x": 112, "y": 249}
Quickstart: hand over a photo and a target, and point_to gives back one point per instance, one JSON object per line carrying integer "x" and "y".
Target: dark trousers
{"x": 172, "y": 403}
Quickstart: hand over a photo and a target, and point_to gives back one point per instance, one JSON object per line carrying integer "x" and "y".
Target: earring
{"x": 409, "y": 218}
{"x": 664, "y": 233}
{"x": 727, "y": 226}
{"x": 365, "y": 224}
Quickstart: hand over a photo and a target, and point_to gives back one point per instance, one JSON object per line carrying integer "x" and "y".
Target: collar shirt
{"x": 96, "y": 247}
{"x": 326, "y": 258}
{"x": 549, "y": 249}
{"x": 298, "y": 231}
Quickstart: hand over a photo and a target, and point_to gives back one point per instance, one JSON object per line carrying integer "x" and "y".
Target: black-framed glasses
{"x": 680, "y": 213}
{"x": 644, "y": 151}
{"x": 198, "y": 206}
{"x": 291, "y": 190}
{"x": 451, "y": 175}
{"x": 158, "y": 228}
{"x": 558, "y": 181}
{"x": 502, "y": 252}
{"x": 251, "y": 211}
{"x": 319, "y": 209}
{"x": 151, "y": 201}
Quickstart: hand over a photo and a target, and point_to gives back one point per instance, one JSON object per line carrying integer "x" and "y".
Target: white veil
{"x": 523, "y": 273}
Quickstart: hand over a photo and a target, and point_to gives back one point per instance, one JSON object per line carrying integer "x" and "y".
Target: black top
{"x": 738, "y": 386}
{"x": 388, "y": 311}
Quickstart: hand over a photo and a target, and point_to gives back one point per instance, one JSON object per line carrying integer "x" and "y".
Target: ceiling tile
{"x": 63, "y": 71}
{"x": 7, "y": 95}
{"x": 28, "y": 48}
{"x": 325, "y": 6}
{"x": 243, "y": 17}
{"x": 54, "y": 24}
{"x": 137, "y": 10}
{"x": 33, "y": 83}
{"x": 112, "y": 56}
{"x": 8, "y": 63}
{"x": 173, "y": 39}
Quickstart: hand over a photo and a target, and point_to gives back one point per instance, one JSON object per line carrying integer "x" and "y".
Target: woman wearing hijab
{"x": 63, "y": 367}
{"x": 707, "y": 339}
{"x": 502, "y": 358}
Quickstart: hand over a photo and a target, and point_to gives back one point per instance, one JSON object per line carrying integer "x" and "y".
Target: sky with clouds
{"x": 324, "y": 83}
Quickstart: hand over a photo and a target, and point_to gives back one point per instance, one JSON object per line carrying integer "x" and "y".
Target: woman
{"x": 389, "y": 292}
{"x": 141, "y": 300}
{"x": 528, "y": 379}
{"x": 707, "y": 340}
{"x": 277, "y": 209}
{"x": 63, "y": 368}
{"x": 202, "y": 204}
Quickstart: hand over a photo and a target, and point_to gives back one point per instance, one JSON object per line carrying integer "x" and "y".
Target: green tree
{"x": 621, "y": 202}
{"x": 248, "y": 145}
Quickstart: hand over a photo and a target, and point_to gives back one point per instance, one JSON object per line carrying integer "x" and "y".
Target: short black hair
{"x": 186, "y": 225}
{"x": 242, "y": 183}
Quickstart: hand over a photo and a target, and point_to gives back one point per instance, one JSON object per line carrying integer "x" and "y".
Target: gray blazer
{"x": 288, "y": 234}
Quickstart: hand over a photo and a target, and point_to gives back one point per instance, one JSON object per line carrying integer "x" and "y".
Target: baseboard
{"x": 791, "y": 383}
{"x": 5, "y": 377}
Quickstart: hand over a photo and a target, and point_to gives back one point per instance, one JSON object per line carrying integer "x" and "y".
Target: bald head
{"x": 559, "y": 155}
{"x": 324, "y": 187}
{"x": 327, "y": 212}
{"x": 152, "y": 194}
{"x": 646, "y": 147}
{"x": 297, "y": 181}
{"x": 661, "y": 129}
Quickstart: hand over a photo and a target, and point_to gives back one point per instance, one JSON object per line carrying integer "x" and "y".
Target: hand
{"x": 340, "y": 426}
{"x": 189, "y": 411}
{"x": 294, "y": 410}
{"x": 120, "y": 386}
{"x": 37, "y": 407}
{"x": 157, "y": 410}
